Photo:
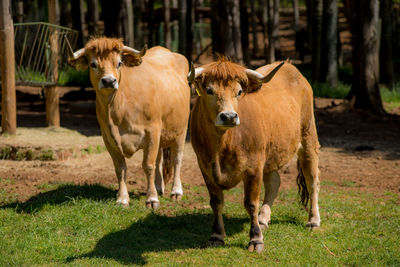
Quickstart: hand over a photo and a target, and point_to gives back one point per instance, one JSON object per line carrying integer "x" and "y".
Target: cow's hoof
{"x": 153, "y": 205}
{"x": 176, "y": 197}
{"x": 312, "y": 225}
{"x": 263, "y": 226}
{"x": 215, "y": 242}
{"x": 256, "y": 245}
{"x": 123, "y": 202}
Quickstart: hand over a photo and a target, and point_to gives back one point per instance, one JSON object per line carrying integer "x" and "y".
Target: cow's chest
{"x": 228, "y": 171}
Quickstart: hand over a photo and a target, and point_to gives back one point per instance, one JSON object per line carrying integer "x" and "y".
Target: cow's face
{"x": 221, "y": 99}
{"x": 222, "y": 84}
{"x": 105, "y": 58}
{"x": 105, "y": 70}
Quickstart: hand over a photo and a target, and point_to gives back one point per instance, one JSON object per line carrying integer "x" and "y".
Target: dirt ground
{"x": 358, "y": 151}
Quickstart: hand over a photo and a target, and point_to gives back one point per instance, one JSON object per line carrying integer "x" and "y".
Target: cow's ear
{"x": 81, "y": 63}
{"x": 253, "y": 85}
{"x": 256, "y": 79}
{"x": 130, "y": 60}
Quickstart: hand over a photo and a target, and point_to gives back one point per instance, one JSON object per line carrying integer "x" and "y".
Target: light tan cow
{"x": 142, "y": 102}
{"x": 245, "y": 126}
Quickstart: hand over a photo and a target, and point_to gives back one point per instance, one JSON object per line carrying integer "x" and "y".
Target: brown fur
{"x": 274, "y": 120}
{"x": 148, "y": 110}
{"x": 104, "y": 45}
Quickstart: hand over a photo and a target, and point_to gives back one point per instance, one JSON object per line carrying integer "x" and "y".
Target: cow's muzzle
{"x": 109, "y": 81}
{"x": 227, "y": 119}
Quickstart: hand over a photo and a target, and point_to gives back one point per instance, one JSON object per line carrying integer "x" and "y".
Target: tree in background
{"x": 93, "y": 17}
{"x": 244, "y": 31}
{"x": 78, "y": 19}
{"x": 386, "y": 49}
{"x": 365, "y": 93}
{"x": 225, "y": 25}
{"x": 316, "y": 29}
{"x": 329, "y": 42}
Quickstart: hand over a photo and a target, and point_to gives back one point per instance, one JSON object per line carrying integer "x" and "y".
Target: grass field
{"x": 81, "y": 226}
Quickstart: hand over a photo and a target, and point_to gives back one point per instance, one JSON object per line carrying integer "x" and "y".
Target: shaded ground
{"x": 357, "y": 151}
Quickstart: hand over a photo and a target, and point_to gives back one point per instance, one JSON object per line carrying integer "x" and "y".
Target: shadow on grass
{"x": 157, "y": 233}
{"x": 61, "y": 195}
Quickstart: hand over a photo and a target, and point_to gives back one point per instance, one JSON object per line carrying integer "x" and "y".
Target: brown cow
{"x": 142, "y": 102}
{"x": 244, "y": 127}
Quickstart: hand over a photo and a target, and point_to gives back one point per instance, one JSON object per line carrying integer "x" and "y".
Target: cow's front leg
{"x": 149, "y": 162}
{"x": 120, "y": 171}
{"x": 217, "y": 205}
{"x": 252, "y": 188}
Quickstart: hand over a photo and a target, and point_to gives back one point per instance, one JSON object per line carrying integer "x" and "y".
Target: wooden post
{"x": 8, "y": 102}
{"x": 52, "y": 95}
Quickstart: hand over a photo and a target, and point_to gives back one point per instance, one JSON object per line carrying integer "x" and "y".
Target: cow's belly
{"x": 279, "y": 156}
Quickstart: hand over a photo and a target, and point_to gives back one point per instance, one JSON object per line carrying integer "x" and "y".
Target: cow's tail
{"x": 301, "y": 183}
{"x": 167, "y": 165}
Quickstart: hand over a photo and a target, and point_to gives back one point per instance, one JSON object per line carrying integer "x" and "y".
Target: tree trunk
{"x": 137, "y": 16}
{"x": 271, "y": 25}
{"x": 275, "y": 29}
{"x": 365, "y": 92}
{"x": 126, "y": 19}
{"x": 78, "y": 19}
{"x": 264, "y": 22}
{"x": 52, "y": 94}
{"x": 244, "y": 30}
{"x": 167, "y": 28}
{"x": 316, "y": 39}
{"x": 65, "y": 13}
{"x": 20, "y": 11}
{"x": 111, "y": 17}
{"x": 93, "y": 16}
{"x": 329, "y": 58}
{"x": 386, "y": 47}
{"x": 189, "y": 29}
{"x": 225, "y": 23}
{"x": 150, "y": 22}
{"x": 8, "y": 95}
{"x": 182, "y": 45}
{"x": 295, "y": 15}
{"x": 254, "y": 27}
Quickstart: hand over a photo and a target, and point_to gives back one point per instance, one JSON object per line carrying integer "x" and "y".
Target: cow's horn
{"x": 258, "y": 76}
{"x": 72, "y": 54}
{"x": 135, "y": 52}
{"x": 194, "y": 72}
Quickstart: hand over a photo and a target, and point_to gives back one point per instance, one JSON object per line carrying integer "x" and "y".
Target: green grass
{"x": 81, "y": 226}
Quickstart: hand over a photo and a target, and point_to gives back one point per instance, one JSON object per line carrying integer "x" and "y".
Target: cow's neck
{"x": 215, "y": 139}
{"x": 108, "y": 104}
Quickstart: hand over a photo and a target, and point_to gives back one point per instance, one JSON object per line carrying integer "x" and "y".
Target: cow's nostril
{"x": 234, "y": 115}
{"x": 223, "y": 117}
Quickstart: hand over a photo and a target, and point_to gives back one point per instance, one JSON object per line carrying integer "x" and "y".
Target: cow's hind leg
{"x": 308, "y": 181}
{"x": 252, "y": 188}
{"x": 177, "y": 155}
{"x": 272, "y": 181}
{"x": 159, "y": 173}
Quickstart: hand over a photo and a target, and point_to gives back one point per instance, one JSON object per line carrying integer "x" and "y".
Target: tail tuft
{"x": 167, "y": 165}
{"x": 301, "y": 183}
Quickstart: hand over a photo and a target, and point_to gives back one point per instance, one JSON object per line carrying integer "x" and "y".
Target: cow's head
{"x": 222, "y": 84}
{"x": 105, "y": 57}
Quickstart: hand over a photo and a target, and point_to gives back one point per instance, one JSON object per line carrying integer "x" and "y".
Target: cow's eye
{"x": 93, "y": 65}
{"x": 209, "y": 91}
{"x": 119, "y": 64}
{"x": 240, "y": 92}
